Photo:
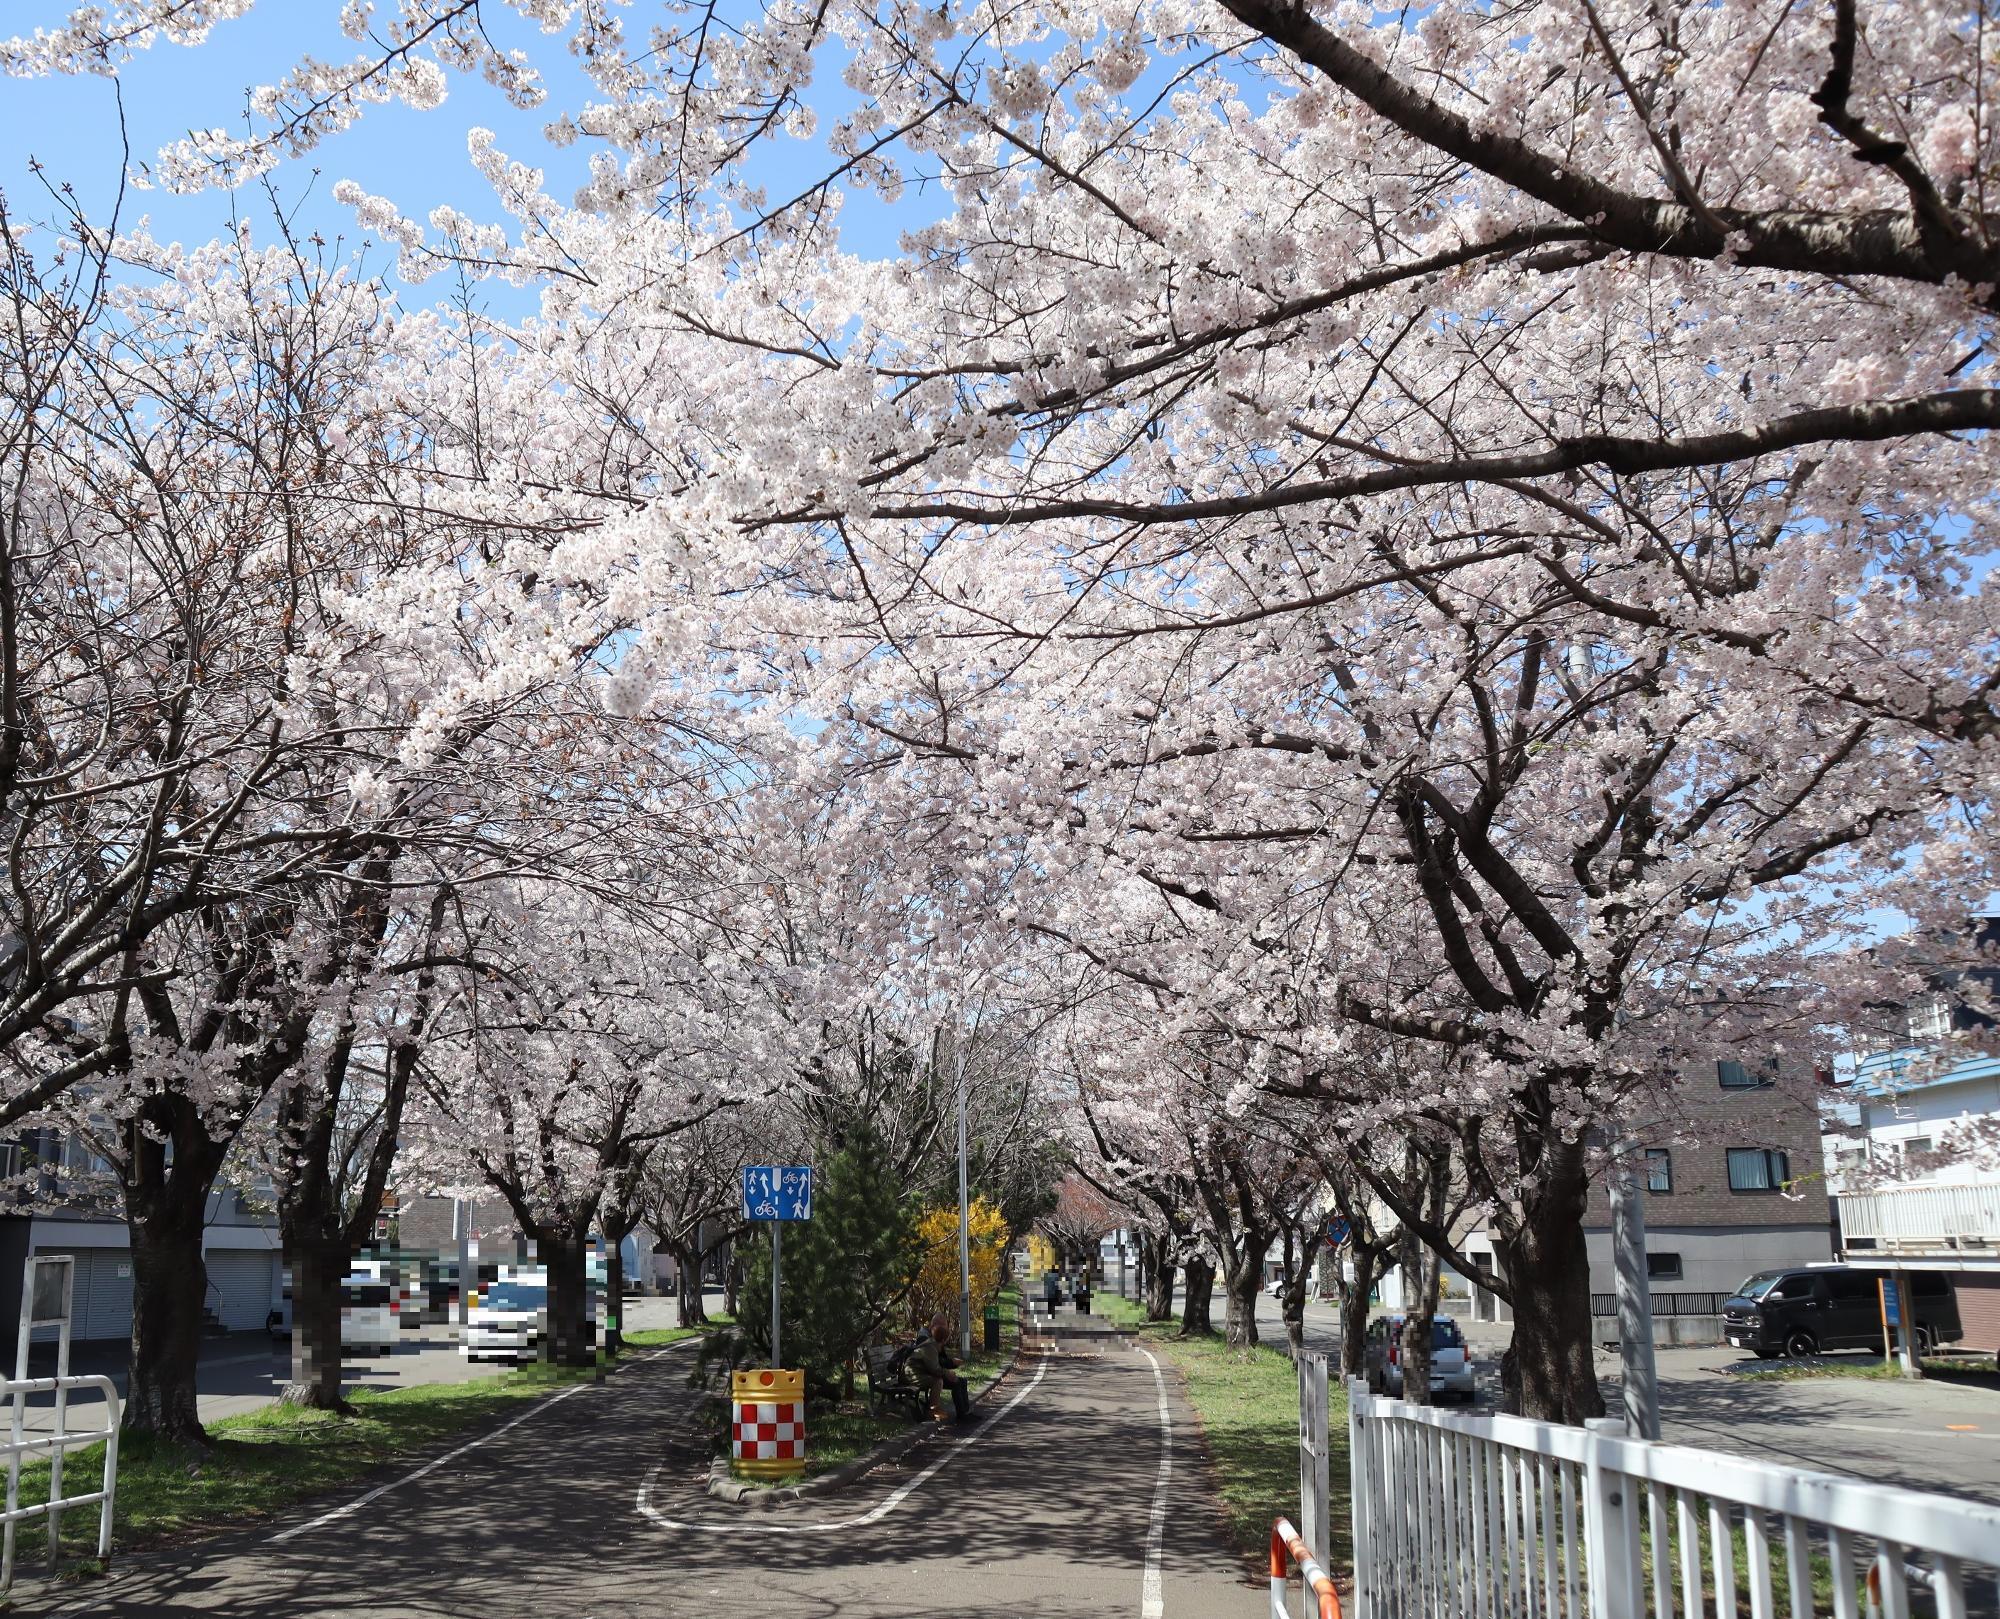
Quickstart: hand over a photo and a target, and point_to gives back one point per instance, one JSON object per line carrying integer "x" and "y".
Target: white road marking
{"x": 1152, "y": 1602}
{"x": 433, "y": 1465}
{"x": 739, "y": 1526}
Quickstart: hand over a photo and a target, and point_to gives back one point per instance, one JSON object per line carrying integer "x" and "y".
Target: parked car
{"x": 369, "y": 1309}
{"x": 507, "y": 1318}
{"x": 1820, "y": 1307}
{"x": 1451, "y": 1358}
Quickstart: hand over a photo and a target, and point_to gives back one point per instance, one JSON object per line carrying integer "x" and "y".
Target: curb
{"x": 737, "y": 1492}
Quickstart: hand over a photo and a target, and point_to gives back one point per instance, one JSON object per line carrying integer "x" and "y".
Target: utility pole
{"x": 964, "y": 1227}
{"x": 1639, "y": 1384}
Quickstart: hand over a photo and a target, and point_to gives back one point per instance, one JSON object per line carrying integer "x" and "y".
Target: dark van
{"x": 1803, "y": 1312}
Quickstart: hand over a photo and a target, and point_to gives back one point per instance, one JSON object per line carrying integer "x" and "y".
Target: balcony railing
{"x": 1936, "y": 1218}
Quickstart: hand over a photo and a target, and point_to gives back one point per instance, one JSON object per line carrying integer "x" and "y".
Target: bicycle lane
{"x": 1080, "y": 1493}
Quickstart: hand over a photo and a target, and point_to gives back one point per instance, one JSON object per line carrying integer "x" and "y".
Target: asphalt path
{"x": 1067, "y": 1497}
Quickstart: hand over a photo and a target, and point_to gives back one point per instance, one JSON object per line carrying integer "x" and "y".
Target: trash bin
{"x": 992, "y": 1326}
{"x": 767, "y": 1428}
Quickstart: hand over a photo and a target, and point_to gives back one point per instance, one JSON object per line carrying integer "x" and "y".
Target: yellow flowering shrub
{"x": 936, "y": 1290}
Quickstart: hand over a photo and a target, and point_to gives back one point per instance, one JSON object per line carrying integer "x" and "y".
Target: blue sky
{"x": 417, "y": 159}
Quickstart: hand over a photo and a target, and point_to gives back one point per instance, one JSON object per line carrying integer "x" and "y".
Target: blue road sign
{"x": 1337, "y": 1232}
{"x": 1892, "y": 1302}
{"x": 777, "y": 1192}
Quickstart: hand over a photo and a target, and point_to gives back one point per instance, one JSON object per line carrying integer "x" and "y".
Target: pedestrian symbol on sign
{"x": 774, "y": 1192}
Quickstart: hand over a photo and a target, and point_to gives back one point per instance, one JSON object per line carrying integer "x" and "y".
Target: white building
{"x": 1906, "y": 1185}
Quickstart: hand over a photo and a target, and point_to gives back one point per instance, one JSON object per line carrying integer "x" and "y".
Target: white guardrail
{"x": 1926, "y": 1216}
{"x": 1467, "y": 1517}
{"x": 56, "y": 1445}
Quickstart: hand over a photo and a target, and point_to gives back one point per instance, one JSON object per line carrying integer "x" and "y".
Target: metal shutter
{"x": 1978, "y": 1311}
{"x": 242, "y": 1277}
{"x": 110, "y": 1292}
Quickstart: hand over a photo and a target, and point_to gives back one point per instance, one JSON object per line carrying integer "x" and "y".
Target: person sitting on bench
{"x": 935, "y": 1366}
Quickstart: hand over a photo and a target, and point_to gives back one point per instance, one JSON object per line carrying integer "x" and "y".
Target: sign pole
{"x": 777, "y": 1238}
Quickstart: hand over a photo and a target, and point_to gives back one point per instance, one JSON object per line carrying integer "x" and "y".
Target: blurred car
{"x": 369, "y": 1308}
{"x": 508, "y": 1318}
{"x": 1451, "y": 1358}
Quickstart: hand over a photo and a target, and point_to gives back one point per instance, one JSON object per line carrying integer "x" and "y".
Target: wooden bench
{"x": 894, "y": 1387}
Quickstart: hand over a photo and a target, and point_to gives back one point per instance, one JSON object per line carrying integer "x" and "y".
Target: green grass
{"x": 265, "y": 1461}
{"x": 660, "y": 1337}
{"x": 1248, "y": 1403}
{"x": 1942, "y": 1368}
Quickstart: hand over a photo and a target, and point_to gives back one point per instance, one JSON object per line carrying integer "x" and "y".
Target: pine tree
{"x": 844, "y": 1272}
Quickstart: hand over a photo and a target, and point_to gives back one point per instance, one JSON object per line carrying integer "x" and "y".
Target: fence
{"x": 1664, "y": 1304}
{"x": 48, "y": 1284}
{"x": 1463, "y": 1517}
{"x": 1315, "y": 1502}
{"x": 1936, "y": 1218}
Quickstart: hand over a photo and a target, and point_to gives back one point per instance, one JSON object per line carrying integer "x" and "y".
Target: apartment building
{"x": 1731, "y": 1171}
{"x": 1912, "y": 1146}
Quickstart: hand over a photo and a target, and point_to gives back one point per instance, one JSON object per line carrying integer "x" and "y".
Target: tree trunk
{"x": 169, "y": 1285}
{"x": 688, "y": 1311}
{"x": 1160, "y": 1279}
{"x": 732, "y": 1282}
{"x": 318, "y": 1270}
{"x": 569, "y": 1340}
{"x": 1197, "y": 1293}
{"x": 1354, "y": 1309}
{"x": 1549, "y": 1373}
{"x": 1417, "y": 1311}
{"x": 1241, "y": 1285}
{"x": 1293, "y": 1305}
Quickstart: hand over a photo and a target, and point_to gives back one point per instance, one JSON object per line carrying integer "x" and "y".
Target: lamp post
{"x": 964, "y": 1226}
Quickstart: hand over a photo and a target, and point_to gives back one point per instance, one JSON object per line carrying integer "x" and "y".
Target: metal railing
{"x": 1939, "y": 1217}
{"x": 20, "y": 1443}
{"x": 1288, "y": 1548}
{"x": 1463, "y": 1517}
{"x": 1664, "y": 1303}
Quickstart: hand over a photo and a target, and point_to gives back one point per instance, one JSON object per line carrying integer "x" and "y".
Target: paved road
{"x": 245, "y": 1371}
{"x": 587, "y": 1508}
{"x": 1932, "y": 1435}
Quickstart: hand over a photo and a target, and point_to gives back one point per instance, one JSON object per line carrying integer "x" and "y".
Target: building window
{"x": 1734, "y": 1076}
{"x": 1916, "y": 1145}
{"x": 1930, "y": 1020}
{"x": 1663, "y": 1267}
{"x": 1757, "y": 1169}
{"x": 1659, "y": 1170}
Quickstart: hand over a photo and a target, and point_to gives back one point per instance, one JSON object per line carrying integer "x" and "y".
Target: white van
{"x": 507, "y": 1318}
{"x": 369, "y": 1306}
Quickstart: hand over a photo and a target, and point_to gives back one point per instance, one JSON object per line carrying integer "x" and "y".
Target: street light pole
{"x": 1639, "y": 1384}
{"x": 964, "y": 1227}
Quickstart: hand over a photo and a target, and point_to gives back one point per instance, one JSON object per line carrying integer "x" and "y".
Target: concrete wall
{"x": 1714, "y": 1258}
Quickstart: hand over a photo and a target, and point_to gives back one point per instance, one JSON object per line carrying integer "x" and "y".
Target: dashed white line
{"x": 1152, "y": 1602}
{"x": 738, "y": 1526}
{"x": 435, "y": 1463}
